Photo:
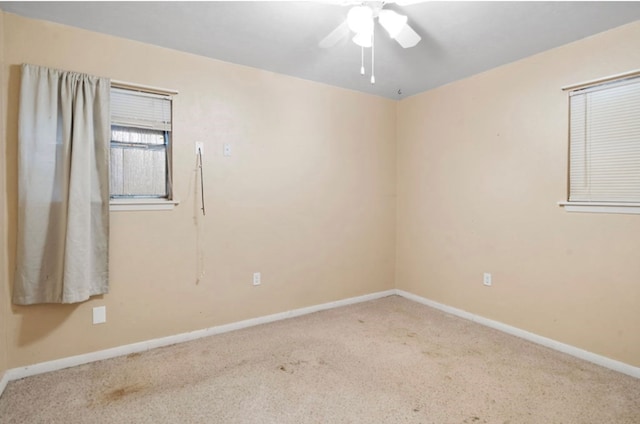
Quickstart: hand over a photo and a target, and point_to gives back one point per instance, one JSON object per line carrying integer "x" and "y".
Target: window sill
{"x": 119, "y": 205}
{"x": 601, "y": 207}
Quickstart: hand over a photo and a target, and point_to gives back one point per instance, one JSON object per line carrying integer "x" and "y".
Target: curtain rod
{"x": 590, "y": 83}
{"x": 140, "y": 87}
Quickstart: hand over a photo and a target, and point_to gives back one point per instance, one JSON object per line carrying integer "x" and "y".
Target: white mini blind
{"x": 140, "y": 110}
{"x": 140, "y": 144}
{"x": 604, "y": 143}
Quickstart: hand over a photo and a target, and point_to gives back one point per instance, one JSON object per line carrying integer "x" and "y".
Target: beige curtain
{"x": 63, "y": 187}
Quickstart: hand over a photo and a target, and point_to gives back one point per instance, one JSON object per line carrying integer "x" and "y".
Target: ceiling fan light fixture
{"x": 363, "y": 39}
{"x": 392, "y": 22}
{"x": 360, "y": 19}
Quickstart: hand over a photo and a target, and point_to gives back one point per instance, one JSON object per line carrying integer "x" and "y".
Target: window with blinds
{"x": 604, "y": 143}
{"x": 140, "y": 145}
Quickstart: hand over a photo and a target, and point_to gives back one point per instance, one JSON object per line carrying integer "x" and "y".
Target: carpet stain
{"x": 300, "y": 364}
{"x": 404, "y": 332}
{"x": 361, "y": 321}
{"x": 432, "y": 354}
{"x": 284, "y": 369}
{"x": 133, "y": 355}
{"x": 122, "y": 392}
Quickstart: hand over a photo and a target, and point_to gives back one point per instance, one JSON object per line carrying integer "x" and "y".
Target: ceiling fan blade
{"x": 407, "y": 37}
{"x": 392, "y": 21}
{"x": 340, "y": 2}
{"x": 407, "y": 2}
{"x": 339, "y": 33}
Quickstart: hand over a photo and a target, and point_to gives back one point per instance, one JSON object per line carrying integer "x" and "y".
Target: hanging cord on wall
{"x": 198, "y": 220}
{"x": 201, "y": 181}
{"x": 373, "y": 48}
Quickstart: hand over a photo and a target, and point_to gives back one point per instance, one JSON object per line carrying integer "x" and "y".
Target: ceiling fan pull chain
{"x": 361, "y": 60}
{"x": 373, "y": 49}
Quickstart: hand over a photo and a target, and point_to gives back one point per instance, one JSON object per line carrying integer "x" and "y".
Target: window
{"x": 604, "y": 147}
{"x": 140, "y": 169}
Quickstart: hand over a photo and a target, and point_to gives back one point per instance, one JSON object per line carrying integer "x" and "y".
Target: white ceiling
{"x": 458, "y": 38}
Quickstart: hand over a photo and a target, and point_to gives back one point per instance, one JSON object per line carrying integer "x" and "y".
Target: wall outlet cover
{"x": 99, "y": 314}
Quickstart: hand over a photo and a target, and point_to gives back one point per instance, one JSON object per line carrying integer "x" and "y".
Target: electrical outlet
{"x": 486, "y": 279}
{"x": 99, "y": 314}
{"x": 226, "y": 149}
{"x": 256, "y": 278}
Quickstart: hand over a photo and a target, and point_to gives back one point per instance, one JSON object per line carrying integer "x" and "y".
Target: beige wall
{"x": 307, "y": 197}
{"x": 4, "y": 287}
{"x": 481, "y": 165}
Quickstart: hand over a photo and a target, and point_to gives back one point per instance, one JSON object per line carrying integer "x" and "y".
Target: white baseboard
{"x": 4, "y": 380}
{"x": 58, "y": 364}
{"x": 535, "y": 338}
{"x": 72, "y": 361}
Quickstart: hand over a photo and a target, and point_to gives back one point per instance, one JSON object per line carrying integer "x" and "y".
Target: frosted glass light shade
{"x": 363, "y": 39}
{"x": 360, "y": 19}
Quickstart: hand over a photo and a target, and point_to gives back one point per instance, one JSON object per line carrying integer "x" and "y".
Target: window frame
{"x": 149, "y": 203}
{"x": 611, "y": 207}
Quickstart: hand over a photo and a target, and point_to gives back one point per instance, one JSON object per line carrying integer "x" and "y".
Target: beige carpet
{"x": 384, "y": 361}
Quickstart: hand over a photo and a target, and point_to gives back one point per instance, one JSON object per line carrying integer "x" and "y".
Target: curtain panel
{"x": 63, "y": 187}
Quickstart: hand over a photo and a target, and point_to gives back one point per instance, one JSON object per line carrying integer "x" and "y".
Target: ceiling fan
{"x": 361, "y": 22}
